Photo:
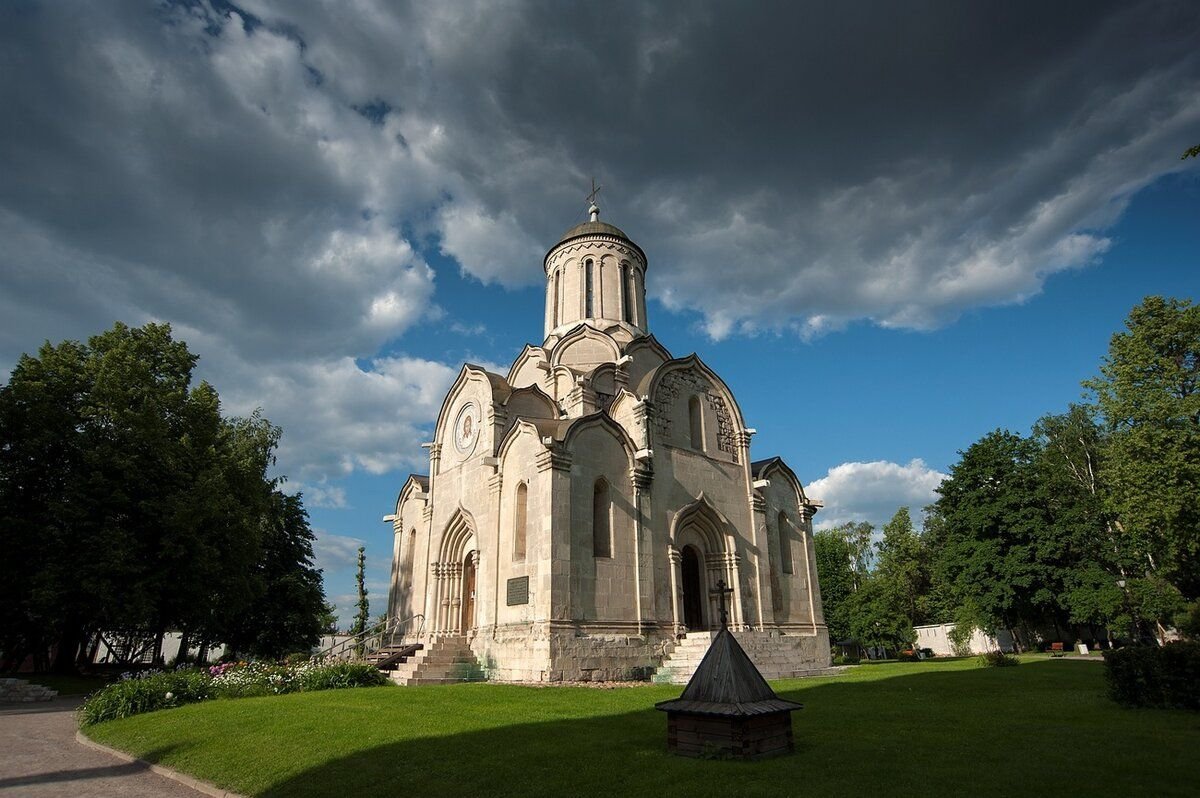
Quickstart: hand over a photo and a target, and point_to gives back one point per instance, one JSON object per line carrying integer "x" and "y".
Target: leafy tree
{"x": 329, "y": 619}
{"x": 128, "y": 503}
{"x": 1190, "y": 152}
{"x": 835, "y": 570}
{"x": 289, "y": 604}
{"x": 873, "y": 621}
{"x": 1148, "y": 393}
{"x": 903, "y": 571}
{"x": 988, "y": 519}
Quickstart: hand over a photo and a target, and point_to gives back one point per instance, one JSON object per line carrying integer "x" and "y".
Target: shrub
{"x": 908, "y": 655}
{"x": 344, "y": 674}
{"x": 1148, "y": 676}
{"x": 1188, "y": 621}
{"x": 163, "y": 689}
{"x": 848, "y": 659}
{"x": 998, "y": 659}
{"x": 960, "y": 638}
{"x": 145, "y": 692}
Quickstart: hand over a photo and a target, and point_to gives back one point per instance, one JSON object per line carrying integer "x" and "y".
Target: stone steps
{"x": 19, "y": 691}
{"x": 775, "y": 656}
{"x": 448, "y": 660}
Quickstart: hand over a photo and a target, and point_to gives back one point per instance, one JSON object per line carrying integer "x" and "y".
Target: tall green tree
{"x": 289, "y": 602}
{"x": 127, "y": 502}
{"x": 835, "y": 570}
{"x": 988, "y": 520}
{"x": 363, "y": 616}
{"x": 903, "y": 572}
{"x": 1148, "y": 393}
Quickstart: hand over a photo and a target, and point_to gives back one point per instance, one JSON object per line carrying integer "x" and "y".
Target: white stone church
{"x": 580, "y": 510}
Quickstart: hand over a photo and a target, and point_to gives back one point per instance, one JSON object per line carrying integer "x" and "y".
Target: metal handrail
{"x": 393, "y": 630}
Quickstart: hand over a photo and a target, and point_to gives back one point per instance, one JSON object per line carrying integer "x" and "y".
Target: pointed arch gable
{"x": 654, "y": 379}
{"x": 711, "y": 524}
{"x": 580, "y": 340}
{"x": 603, "y": 379}
{"x": 530, "y": 402}
{"x": 604, "y": 420}
{"x": 650, "y": 343}
{"x": 776, "y": 465}
{"x": 622, "y": 404}
{"x": 496, "y": 385}
{"x": 521, "y": 427}
{"x": 416, "y": 483}
{"x": 530, "y": 356}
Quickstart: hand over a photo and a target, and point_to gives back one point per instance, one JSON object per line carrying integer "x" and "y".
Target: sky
{"x": 891, "y": 228}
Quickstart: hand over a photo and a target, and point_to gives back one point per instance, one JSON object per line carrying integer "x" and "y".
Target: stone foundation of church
{"x": 540, "y": 652}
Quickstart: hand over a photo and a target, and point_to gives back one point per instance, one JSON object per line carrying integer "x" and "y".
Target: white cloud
{"x": 339, "y": 417}
{"x": 220, "y": 171}
{"x": 874, "y": 491}
{"x": 335, "y": 552}
{"x": 492, "y": 248}
{"x": 323, "y": 495}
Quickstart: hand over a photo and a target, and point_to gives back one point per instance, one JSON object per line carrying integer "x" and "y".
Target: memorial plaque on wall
{"x": 518, "y": 591}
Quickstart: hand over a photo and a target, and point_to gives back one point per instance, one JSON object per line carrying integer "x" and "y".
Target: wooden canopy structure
{"x": 727, "y": 708}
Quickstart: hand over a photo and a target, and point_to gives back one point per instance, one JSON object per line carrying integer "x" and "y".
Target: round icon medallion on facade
{"x": 466, "y": 428}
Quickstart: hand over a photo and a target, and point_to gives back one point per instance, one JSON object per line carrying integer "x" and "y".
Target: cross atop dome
{"x": 593, "y": 208}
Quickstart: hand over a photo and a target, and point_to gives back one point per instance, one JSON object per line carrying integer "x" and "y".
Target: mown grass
{"x": 940, "y": 727}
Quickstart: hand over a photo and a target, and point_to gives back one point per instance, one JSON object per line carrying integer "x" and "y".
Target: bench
{"x": 1056, "y": 650}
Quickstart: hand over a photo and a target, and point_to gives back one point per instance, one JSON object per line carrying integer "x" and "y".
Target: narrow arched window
{"x": 411, "y": 559}
{"x": 626, "y": 295}
{"x": 785, "y": 544}
{"x": 696, "y": 423}
{"x": 601, "y": 520}
{"x": 588, "y": 293}
{"x": 520, "y": 516}
{"x": 554, "y": 299}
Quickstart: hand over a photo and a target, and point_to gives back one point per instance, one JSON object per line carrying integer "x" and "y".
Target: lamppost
{"x": 1133, "y": 625}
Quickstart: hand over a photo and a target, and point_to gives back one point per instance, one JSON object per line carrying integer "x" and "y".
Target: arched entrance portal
{"x": 693, "y": 589}
{"x": 468, "y": 594}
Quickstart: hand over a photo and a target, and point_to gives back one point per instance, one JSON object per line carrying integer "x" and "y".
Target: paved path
{"x": 39, "y": 757}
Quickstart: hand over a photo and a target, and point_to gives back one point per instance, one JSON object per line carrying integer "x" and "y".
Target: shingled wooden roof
{"x": 727, "y": 684}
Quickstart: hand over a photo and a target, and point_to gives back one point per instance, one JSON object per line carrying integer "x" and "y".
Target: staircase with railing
{"x": 384, "y": 645}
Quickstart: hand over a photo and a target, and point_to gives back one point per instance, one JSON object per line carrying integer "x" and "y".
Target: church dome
{"x": 595, "y": 227}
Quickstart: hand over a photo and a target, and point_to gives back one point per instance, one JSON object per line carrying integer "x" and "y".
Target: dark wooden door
{"x": 468, "y": 600}
{"x": 693, "y": 600}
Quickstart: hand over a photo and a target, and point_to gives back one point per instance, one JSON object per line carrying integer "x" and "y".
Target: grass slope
{"x": 946, "y": 727}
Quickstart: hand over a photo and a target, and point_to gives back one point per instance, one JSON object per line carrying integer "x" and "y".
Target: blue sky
{"x": 890, "y": 229}
{"x": 865, "y": 394}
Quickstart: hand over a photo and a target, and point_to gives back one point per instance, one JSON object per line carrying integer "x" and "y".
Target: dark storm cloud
{"x": 245, "y": 171}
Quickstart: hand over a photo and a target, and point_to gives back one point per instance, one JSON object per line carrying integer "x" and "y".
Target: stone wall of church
{"x": 518, "y": 467}
{"x": 594, "y": 653}
{"x": 792, "y": 558}
{"x": 600, "y": 586}
{"x": 680, "y": 475}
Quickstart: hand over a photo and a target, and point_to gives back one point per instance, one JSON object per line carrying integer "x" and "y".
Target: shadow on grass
{"x": 982, "y": 731}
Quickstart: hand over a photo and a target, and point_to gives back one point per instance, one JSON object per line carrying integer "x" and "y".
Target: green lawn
{"x": 933, "y": 728}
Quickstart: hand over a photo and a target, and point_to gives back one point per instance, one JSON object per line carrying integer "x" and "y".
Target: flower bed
{"x": 151, "y": 690}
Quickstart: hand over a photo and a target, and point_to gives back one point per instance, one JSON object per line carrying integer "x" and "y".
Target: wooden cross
{"x": 591, "y": 198}
{"x": 721, "y": 591}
